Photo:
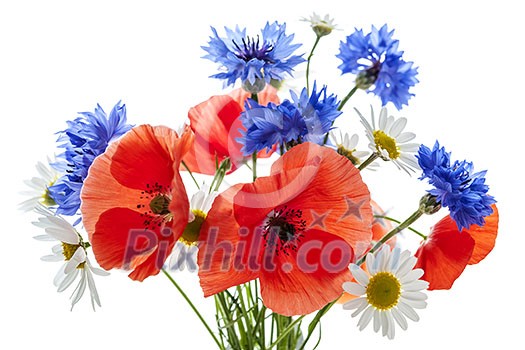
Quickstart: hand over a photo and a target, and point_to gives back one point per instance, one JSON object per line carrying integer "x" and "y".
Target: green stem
{"x": 316, "y": 321}
{"x": 308, "y": 64}
{"x": 411, "y": 219}
{"x": 217, "y": 319}
{"x": 255, "y": 97}
{"x": 190, "y": 303}
{"x": 254, "y": 168}
{"x": 226, "y": 313}
{"x": 220, "y": 172}
{"x": 368, "y": 161}
{"x": 248, "y": 319}
{"x": 191, "y": 174}
{"x": 347, "y": 97}
{"x": 398, "y": 222}
{"x": 285, "y": 332}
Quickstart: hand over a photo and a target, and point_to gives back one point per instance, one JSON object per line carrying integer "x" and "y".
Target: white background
{"x": 61, "y": 57}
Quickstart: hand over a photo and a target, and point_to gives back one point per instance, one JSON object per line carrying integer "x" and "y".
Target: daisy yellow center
{"x": 348, "y": 154}
{"x": 383, "y": 141}
{"x": 68, "y": 250}
{"x": 192, "y": 230}
{"x": 383, "y": 291}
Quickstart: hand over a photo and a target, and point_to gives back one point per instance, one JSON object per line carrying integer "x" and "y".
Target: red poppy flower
{"x": 216, "y": 125}
{"x": 134, "y": 204}
{"x": 446, "y": 252}
{"x": 296, "y": 230}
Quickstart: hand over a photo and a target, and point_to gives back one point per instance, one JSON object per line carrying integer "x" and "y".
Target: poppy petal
{"x": 145, "y": 156}
{"x": 484, "y": 236}
{"x": 102, "y": 192}
{"x": 211, "y": 121}
{"x": 220, "y": 248}
{"x": 121, "y": 241}
{"x": 304, "y": 281}
{"x": 254, "y": 201}
{"x": 444, "y": 254}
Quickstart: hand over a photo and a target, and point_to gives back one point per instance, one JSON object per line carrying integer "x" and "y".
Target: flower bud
{"x": 367, "y": 78}
{"x": 258, "y": 86}
{"x": 428, "y": 204}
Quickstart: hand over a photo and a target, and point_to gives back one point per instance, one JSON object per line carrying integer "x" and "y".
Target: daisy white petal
{"x": 412, "y": 276}
{"x": 384, "y": 322}
{"x": 371, "y": 264}
{"x": 405, "y": 137}
{"x": 360, "y": 276}
{"x": 361, "y": 307}
{"x": 66, "y": 281}
{"x": 365, "y": 318}
{"x": 52, "y": 258}
{"x": 400, "y": 319}
{"x": 354, "y": 288}
{"x": 390, "y": 142}
{"x": 99, "y": 272}
{"x": 406, "y": 266}
{"x": 79, "y": 290}
{"x": 408, "y": 311}
{"x": 44, "y": 238}
{"x": 416, "y": 304}
{"x": 397, "y": 127}
{"x": 391, "y": 331}
{"x": 413, "y": 295}
{"x": 384, "y": 258}
{"x": 415, "y": 286}
{"x": 395, "y": 258}
{"x": 377, "y": 320}
{"x": 92, "y": 289}
{"x": 354, "y": 304}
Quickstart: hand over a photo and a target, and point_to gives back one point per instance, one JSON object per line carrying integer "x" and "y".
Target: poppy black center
{"x": 284, "y": 228}
{"x": 159, "y": 205}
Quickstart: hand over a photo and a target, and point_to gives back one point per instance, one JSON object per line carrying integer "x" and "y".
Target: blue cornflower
{"x": 303, "y": 118}
{"x": 253, "y": 60}
{"x": 456, "y": 186}
{"x": 85, "y": 138}
{"x": 376, "y": 60}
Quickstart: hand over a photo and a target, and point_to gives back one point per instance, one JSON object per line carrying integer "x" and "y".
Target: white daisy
{"x": 389, "y": 142}
{"x": 200, "y": 205}
{"x": 346, "y": 146}
{"x": 184, "y": 254}
{"x": 71, "y": 250}
{"x": 390, "y": 290}
{"x": 39, "y": 192}
{"x": 321, "y": 26}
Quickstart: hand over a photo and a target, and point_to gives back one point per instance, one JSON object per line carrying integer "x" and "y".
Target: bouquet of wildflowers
{"x": 271, "y": 249}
